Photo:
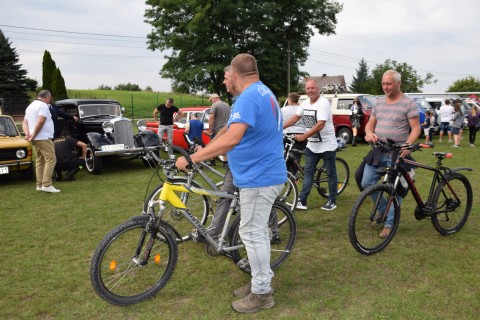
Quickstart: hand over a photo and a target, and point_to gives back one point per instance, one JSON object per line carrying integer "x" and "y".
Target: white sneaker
{"x": 301, "y": 206}
{"x": 50, "y": 189}
{"x": 38, "y": 188}
{"x": 472, "y": 145}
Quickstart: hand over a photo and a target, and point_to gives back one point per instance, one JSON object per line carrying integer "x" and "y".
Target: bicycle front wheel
{"x": 123, "y": 272}
{"x": 453, "y": 202}
{"x": 343, "y": 175}
{"x": 282, "y": 230}
{"x": 369, "y": 212}
{"x": 289, "y": 194}
{"x": 197, "y": 204}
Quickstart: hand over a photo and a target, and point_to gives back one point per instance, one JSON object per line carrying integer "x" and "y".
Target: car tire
{"x": 93, "y": 163}
{"x": 345, "y": 134}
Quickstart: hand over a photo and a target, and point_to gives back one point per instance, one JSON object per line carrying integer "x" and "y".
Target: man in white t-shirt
{"x": 322, "y": 142}
{"x": 39, "y": 129}
{"x": 446, "y": 113}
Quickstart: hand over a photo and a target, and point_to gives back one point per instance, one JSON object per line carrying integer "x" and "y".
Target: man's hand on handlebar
{"x": 181, "y": 164}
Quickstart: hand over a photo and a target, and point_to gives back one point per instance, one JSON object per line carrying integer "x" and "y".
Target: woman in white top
{"x": 298, "y": 128}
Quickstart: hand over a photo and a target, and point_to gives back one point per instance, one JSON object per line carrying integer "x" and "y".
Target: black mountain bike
{"x": 448, "y": 204}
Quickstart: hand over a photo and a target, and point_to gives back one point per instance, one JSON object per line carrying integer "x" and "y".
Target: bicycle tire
{"x": 289, "y": 194}
{"x": 280, "y": 247}
{"x": 198, "y": 205}
{"x": 120, "y": 280}
{"x": 364, "y": 224}
{"x": 458, "y": 210}
{"x": 343, "y": 176}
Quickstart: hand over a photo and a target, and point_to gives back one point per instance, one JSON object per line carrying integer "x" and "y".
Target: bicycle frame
{"x": 400, "y": 171}
{"x": 168, "y": 195}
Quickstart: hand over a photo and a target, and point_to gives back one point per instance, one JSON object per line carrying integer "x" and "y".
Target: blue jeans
{"x": 255, "y": 207}
{"x": 371, "y": 175}
{"x": 311, "y": 161}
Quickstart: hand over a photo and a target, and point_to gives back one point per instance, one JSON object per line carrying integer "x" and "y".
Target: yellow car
{"x": 15, "y": 151}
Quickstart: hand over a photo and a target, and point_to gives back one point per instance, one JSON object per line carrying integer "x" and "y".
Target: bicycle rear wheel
{"x": 289, "y": 194}
{"x": 122, "y": 273}
{"x": 282, "y": 229}
{"x": 197, "y": 204}
{"x": 367, "y": 219}
{"x": 453, "y": 204}
{"x": 343, "y": 175}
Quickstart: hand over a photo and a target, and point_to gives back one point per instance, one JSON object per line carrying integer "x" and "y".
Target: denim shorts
{"x": 445, "y": 126}
{"x": 455, "y": 130}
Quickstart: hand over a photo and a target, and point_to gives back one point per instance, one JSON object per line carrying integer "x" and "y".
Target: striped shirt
{"x": 392, "y": 119}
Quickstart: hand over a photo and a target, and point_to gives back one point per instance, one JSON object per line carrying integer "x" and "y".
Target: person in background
{"x": 446, "y": 111}
{"x": 355, "y": 119}
{"x": 168, "y": 114}
{"x": 457, "y": 123}
{"x": 219, "y": 115}
{"x": 298, "y": 128}
{"x": 427, "y": 126}
{"x": 254, "y": 144}
{"x": 396, "y": 117}
{"x": 56, "y": 112}
{"x": 66, "y": 153}
{"x": 194, "y": 127}
{"x": 38, "y": 128}
{"x": 473, "y": 118}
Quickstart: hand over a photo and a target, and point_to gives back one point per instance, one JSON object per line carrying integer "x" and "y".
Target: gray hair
{"x": 396, "y": 75}
{"x": 44, "y": 94}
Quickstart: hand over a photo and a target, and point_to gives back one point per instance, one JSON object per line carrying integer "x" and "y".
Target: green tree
{"x": 128, "y": 87}
{"x": 360, "y": 81}
{"x": 59, "y": 90}
{"x": 13, "y": 83}
{"x": 205, "y": 35}
{"x": 31, "y": 84}
{"x": 411, "y": 81}
{"x": 467, "y": 84}
{"x": 48, "y": 68}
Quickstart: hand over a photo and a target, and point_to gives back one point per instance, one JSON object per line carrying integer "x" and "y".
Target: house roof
{"x": 330, "y": 83}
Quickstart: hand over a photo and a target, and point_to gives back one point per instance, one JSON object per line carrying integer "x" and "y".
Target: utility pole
{"x": 288, "y": 67}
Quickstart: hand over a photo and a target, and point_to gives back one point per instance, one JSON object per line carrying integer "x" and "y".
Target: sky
{"x": 104, "y": 42}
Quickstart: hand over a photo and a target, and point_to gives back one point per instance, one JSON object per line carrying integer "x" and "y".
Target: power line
{"x": 73, "y": 32}
{"x": 73, "y": 37}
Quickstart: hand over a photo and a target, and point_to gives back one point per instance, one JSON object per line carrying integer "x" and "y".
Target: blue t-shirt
{"x": 195, "y": 130}
{"x": 257, "y": 161}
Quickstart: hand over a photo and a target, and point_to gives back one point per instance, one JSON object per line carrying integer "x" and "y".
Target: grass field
{"x": 47, "y": 241}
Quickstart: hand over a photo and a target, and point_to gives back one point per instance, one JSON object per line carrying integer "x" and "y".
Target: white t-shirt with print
{"x": 325, "y": 139}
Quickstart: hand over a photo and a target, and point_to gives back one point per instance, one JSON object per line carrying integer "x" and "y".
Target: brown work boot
{"x": 385, "y": 232}
{"x": 254, "y": 302}
{"x": 245, "y": 291}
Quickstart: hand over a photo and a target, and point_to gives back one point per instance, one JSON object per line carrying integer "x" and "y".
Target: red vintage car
{"x": 179, "y": 126}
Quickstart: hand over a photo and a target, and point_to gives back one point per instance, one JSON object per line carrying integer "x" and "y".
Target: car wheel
{"x": 93, "y": 162}
{"x": 345, "y": 134}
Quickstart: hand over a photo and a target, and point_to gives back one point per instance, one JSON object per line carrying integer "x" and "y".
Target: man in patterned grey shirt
{"x": 395, "y": 116}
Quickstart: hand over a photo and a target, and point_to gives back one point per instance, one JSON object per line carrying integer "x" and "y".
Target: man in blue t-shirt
{"x": 254, "y": 145}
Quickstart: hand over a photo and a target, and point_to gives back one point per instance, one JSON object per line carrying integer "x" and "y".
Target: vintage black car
{"x": 106, "y": 132}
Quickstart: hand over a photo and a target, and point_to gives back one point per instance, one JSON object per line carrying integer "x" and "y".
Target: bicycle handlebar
{"x": 391, "y": 145}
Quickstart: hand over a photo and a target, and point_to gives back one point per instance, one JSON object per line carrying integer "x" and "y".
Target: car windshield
{"x": 7, "y": 127}
{"x": 88, "y": 110}
{"x": 423, "y": 103}
{"x": 367, "y": 101}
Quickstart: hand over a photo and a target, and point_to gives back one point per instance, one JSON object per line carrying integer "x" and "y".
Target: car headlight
{"x": 107, "y": 126}
{"x": 142, "y": 124}
{"x": 20, "y": 154}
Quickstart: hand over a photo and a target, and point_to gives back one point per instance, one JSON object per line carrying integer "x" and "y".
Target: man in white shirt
{"x": 446, "y": 112}
{"x": 39, "y": 129}
{"x": 322, "y": 142}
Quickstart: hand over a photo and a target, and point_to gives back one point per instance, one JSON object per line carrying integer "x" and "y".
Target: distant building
{"x": 330, "y": 84}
